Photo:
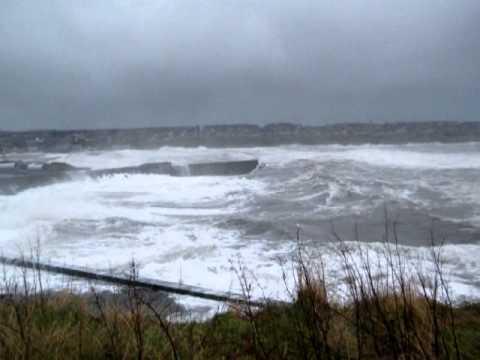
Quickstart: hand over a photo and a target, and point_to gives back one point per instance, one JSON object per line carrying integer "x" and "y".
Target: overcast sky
{"x": 132, "y": 63}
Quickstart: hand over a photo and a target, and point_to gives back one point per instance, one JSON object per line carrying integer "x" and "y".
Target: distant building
{"x": 35, "y": 144}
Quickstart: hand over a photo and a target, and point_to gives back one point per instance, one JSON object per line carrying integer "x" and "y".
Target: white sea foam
{"x": 271, "y": 275}
{"x": 119, "y": 158}
{"x": 175, "y": 234}
{"x": 413, "y": 159}
{"x": 427, "y": 156}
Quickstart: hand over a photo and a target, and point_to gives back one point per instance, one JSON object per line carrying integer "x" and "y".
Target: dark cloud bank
{"x": 136, "y": 63}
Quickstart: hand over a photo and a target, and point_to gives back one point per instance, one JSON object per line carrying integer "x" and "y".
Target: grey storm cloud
{"x": 132, "y": 63}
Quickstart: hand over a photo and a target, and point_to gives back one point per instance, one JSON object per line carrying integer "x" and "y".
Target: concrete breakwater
{"x": 151, "y": 284}
{"x": 18, "y": 176}
{"x": 222, "y": 168}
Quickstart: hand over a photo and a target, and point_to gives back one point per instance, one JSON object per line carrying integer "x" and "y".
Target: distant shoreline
{"x": 239, "y": 135}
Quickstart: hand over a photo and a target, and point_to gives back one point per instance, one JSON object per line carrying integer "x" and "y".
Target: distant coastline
{"x": 238, "y": 135}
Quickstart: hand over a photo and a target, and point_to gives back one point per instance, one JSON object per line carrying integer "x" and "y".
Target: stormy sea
{"x": 200, "y": 230}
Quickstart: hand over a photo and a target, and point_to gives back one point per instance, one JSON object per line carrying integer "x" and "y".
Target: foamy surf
{"x": 200, "y": 230}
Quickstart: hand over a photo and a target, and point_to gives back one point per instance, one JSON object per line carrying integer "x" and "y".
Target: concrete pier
{"x": 155, "y": 285}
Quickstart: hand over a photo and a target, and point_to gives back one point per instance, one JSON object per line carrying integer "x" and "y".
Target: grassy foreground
{"x": 391, "y": 314}
{"x": 67, "y": 326}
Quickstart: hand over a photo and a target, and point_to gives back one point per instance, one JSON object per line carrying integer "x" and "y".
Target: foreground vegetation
{"x": 395, "y": 315}
{"x": 64, "y": 326}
